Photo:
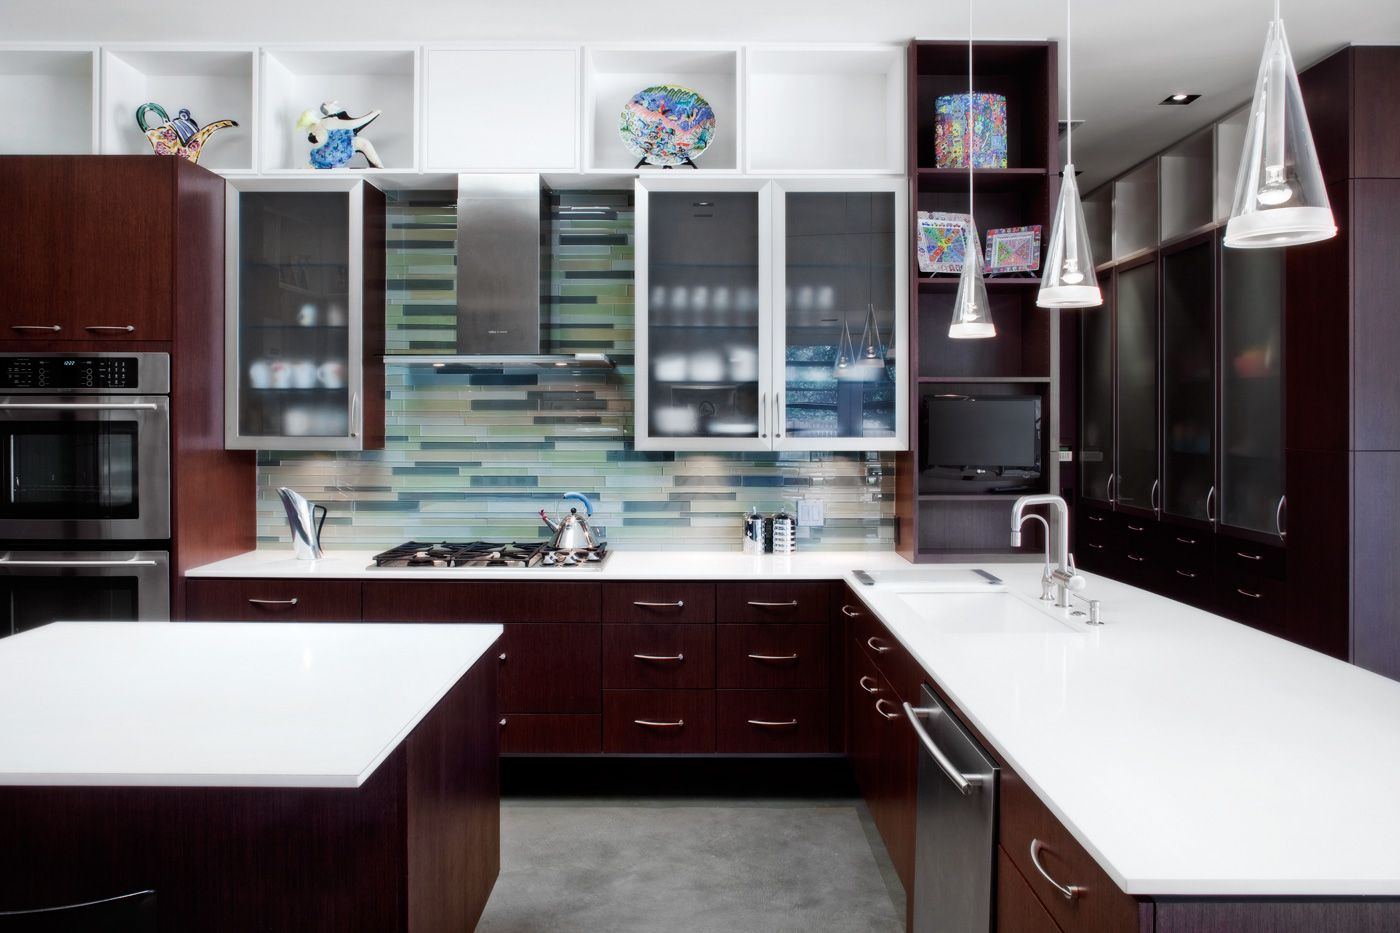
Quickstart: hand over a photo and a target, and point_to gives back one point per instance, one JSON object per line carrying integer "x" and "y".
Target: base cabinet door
{"x": 551, "y": 733}
{"x": 548, "y": 668}
{"x": 272, "y": 601}
{"x": 665, "y": 722}
{"x": 772, "y": 722}
{"x": 1018, "y": 909}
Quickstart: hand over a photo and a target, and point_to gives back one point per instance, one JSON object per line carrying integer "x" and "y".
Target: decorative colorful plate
{"x": 942, "y": 241}
{"x": 666, "y": 125}
{"x": 1013, "y": 249}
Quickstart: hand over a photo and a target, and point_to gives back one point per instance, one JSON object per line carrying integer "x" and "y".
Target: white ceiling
{"x": 1127, "y": 54}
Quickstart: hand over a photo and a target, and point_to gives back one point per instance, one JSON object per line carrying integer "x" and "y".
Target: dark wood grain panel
{"x": 1376, "y": 97}
{"x": 272, "y": 600}
{"x": 1375, "y": 642}
{"x": 898, "y": 781}
{"x": 372, "y": 328}
{"x": 759, "y": 601}
{"x": 1375, "y": 231}
{"x": 772, "y": 722}
{"x": 550, "y": 668}
{"x": 772, "y": 655}
{"x": 1318, "y": 484}
{"x": 551, "y": 734}
{"x": 659, "y": 601}
{"x": 677, "y": 656}
{"x": 478, "y": 601}
{"x": 1101, "y": 905}
{"x": 693, "y": 710}
{"x": 1326, "y": 88}
{"x": 1018, "y": 909}
{"x": 33, "y": 249}
{"x": 1266, "y": 915}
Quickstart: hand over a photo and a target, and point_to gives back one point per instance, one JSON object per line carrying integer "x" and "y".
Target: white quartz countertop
{"x": 220, "y": 704}
{"x": 1189, "y": 754}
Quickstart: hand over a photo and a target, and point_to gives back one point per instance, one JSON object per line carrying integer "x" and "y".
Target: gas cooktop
{"x": 486, "y": 555}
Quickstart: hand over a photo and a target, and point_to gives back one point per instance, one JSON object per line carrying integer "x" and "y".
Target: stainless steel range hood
{"x": 502, "y": 271}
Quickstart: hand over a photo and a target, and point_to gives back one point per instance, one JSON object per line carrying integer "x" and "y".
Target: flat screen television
{"x": 989, "y": 437}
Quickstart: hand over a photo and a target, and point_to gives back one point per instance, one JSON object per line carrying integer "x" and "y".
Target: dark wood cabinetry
{"x": 272, "y": 600}
{"x": 659, "y": 656}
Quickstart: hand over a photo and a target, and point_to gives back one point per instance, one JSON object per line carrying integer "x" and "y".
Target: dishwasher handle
{"x": 961, "y": 781}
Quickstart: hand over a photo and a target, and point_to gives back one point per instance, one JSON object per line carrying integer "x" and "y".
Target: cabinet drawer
{"x": 666, "y": 722}
{"x": 869, "y": 635}
{"x": 776, "y": 655}
{"x": 1248, "y": 557}
{"x": 1193, "y": 584}
{"x": 772, "y": 721}
{"x": 1253, "y": 599}
{"x": 759, "y": 602}
{"x": 479, "y": 601}
{"x": 551, "y": 734}
{"x": 273, "y": 600}
{"x": 1100, "y": 904}
{"x": 663, "y": 656}
{"x": 550, "y": 668}
{"x": 659, "y": 602}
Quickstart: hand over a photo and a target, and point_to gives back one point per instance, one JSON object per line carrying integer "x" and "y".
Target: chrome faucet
{"x": 1064, "y": 578}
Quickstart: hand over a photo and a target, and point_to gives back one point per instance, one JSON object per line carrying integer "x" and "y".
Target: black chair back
{"x": 127, "y": 913}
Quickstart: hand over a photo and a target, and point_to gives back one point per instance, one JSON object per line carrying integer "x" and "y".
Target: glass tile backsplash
{"x": 472, "y": 456}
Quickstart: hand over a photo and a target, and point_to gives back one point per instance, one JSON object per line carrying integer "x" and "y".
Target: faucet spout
{"x": 1063, "y": 577}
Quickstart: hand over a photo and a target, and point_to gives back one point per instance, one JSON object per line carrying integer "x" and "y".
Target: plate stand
{"x": 685, "y": 161}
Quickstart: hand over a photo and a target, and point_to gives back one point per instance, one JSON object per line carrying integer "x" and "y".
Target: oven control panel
{"x": 148, "y": 373}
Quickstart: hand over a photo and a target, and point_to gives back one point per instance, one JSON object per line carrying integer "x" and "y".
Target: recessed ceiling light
{"x": 1180, "y": 100}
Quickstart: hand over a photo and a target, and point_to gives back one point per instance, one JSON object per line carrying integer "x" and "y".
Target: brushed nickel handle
{"x": 1095, "y": 518}
{"x": 659, "y": 657}
{"x": 1070, "y": 891}
{"x": 1250, "y": 556}
{"x": 790, "y": 604}
{"x": 80, "y": 406}
{"x": 1135, "y": 527}
{"x": 960, "y": 780}
{"x": 53, "y": 327}
{"x": 1210, "y": 499}
{"x": 273, "y": 602}
{"x": 1155, "y": 483}
{"x": 882, "y": 712}
{"x": 762, "y": 414}
{"x": 1108, "y": 487}
{"x": 125, "y": 328}
{"x": 849, "y": 612}
{"x": 777, "y": 416}
{"x": 1136, "y": 558}
{"x": 1097, "y": 547}
{"x": 652, "y": 722}
{"x": 675, "y": 605}
{"x": 76, "y": 563}
{"x": 503, "y": 720}
{"x": 1249, "y": 594}
{"x": 502, "y": 655}
{"x": 872, "y": 689}
{"x": 774, "y": 657}
{"x": 1279, "y": 519}
{"x": 356, "y": 416}
{"x": 874, "y": 647}
{"x": 767, "y": 722}
{"x": 1189, "y": 576}
{"x": 1187, "y": 540}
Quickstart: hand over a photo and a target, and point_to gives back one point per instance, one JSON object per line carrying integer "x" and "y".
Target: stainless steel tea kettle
{"x": 571, "y": 531}
{"x": 306, "y": 531}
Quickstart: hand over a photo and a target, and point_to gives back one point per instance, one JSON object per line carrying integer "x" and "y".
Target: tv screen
{"x": 986, "y": 437}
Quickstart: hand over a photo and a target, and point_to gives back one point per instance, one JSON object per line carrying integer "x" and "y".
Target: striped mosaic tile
{"x": 478, "y": 456}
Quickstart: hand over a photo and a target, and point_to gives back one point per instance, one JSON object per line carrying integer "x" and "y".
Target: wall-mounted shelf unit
{"x": 56, "y": 87}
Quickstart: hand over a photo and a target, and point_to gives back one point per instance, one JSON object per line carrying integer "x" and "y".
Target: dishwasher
{"x": 955, "y": 843}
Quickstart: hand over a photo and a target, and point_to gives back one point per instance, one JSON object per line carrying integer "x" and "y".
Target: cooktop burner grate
{"x": 490, "y": 555}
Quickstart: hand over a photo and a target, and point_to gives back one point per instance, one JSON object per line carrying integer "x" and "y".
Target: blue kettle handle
{"x": 587, "y": 506}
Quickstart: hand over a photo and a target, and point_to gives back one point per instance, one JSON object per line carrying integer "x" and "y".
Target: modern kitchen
{"x": 843, "y": 470}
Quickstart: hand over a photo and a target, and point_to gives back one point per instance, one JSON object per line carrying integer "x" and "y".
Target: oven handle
{"x": 959, "y": 779}
{"x": 79, "y": 406}
{"x": 76, "y": 563}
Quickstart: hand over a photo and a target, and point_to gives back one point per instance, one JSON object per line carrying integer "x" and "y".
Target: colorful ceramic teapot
{"x": 181, "y": 136}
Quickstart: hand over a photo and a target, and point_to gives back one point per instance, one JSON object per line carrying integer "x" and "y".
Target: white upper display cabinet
{"x": 51, "y": 92}
{"x": 214, "y": 83}
{"x": 857, "y": 126}
{"x": 358, "y": 81}
{"x": 492, "y": 109}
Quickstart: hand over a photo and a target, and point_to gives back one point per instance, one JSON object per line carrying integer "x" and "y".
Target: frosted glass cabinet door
{"x": 1188, "y": 378}
{"x": 703, "y": 318}
{"x": 1135, "y": 485}
{"x": 1096, "y": 399}
{"x": 838, "y": 258}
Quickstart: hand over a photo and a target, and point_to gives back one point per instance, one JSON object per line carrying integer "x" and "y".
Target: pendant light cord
{"x": 1069, "y": 89}
{"x": 970, "y": 137}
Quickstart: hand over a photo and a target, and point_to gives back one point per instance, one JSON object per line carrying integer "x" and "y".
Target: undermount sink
{"x": 985, "y": 612}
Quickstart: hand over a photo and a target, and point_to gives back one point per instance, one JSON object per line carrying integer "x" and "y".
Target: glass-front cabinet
{"x": 305, "y": 311}
{"x": 1096, "y": 445}
{"x": 1188, "y": 381}
{"x": 771, "y": 314}
{"x": 1135, "y": 484}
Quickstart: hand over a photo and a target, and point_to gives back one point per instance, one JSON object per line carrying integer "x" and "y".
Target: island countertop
{"x": 220, "y": 704}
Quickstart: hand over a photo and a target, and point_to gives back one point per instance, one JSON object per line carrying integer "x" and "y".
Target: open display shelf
{"x": 60, "y": 84}
{"x": 944, "y": 519}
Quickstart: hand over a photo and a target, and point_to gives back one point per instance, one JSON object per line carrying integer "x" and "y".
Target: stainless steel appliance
{"x": 306, "y": 531}
{"x": 485, "y": 555}
{"x": 955, "y": 844}
{"x": 39, "y": 587}
{"x": 85, "y": 446}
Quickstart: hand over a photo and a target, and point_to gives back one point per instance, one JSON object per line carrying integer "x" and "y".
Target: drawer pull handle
{"x": 502, "y": 655}
{"x": 894, "y": 715}
{"x": 1070, "y": 891}
{"x": 503, "y": 720}
{"x": 1097, "y": 547}
{"x": 849, "y": 612}
{"x": 874, "y": 647}
{"x": 126, "y": 328}
{"x": 1190, "y": 576}
{"x": 1249, "y": 594}
{"x": 659, "y": 657}
{"x": 1136, "y": 558}
{"x": 774, "y": 657}
{"x": 790, "y": 604}
{"x": 1135, "y": 528}
{"x": 873, "y": 688}
{"x": 273, "y": 602}
{"x": 1187, "y": 540}
{"x": 652, "y": 722}
{"x": 1250, "y": 556}
{"x": 53, "y": 327}
{"x": 769, "y": 722}
{"x": 1095, "y": 518}
{"x": 678, "y": 604}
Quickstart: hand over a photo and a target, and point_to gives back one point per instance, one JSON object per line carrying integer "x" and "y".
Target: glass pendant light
{"x": 1280, "y": 198}
{"x": 871, "y": 355}
{"x": 845, "y": 366}
{"x": 1068, "y": 276}
{"x": 972, "y": 312}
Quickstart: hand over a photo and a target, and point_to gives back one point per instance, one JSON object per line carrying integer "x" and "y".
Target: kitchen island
{"x": 270, "y": 777}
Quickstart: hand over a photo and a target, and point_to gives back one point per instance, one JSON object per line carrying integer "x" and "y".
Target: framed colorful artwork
{"x": 942, "y": 241}
{"x": 1013, "y": 249}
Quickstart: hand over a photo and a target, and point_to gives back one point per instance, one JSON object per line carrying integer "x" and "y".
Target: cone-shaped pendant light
{"x": 870, "y": 355}
{"x": 972, "y": 312}
{"x": 1068, "y": 279}
{"x": 1279, "y": 195}
{"x": 845, "y": 366}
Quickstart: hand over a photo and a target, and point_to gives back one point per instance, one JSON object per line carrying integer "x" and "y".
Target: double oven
{"x": 85, "y": 514}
